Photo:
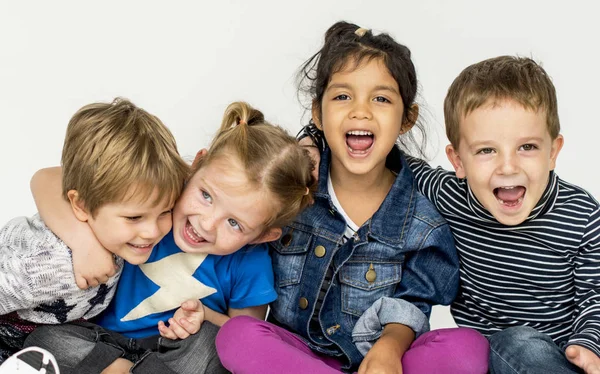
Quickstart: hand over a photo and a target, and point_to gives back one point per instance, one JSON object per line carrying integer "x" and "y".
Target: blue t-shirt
{"x": 151, "y": 292}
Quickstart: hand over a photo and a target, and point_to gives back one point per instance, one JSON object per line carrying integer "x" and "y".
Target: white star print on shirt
{"x": 174, "y": 275}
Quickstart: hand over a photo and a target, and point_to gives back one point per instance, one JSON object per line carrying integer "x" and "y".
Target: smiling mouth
{"x": 359, "y": 141}
{"x": 510, "y": 196}
{"x": 192, "y": 234}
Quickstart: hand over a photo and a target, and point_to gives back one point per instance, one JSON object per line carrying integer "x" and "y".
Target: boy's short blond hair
{"x": 111, "y": 148}
{"x": 496, "y": 79}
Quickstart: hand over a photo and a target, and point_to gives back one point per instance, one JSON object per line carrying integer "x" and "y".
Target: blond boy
{"x": 529, "y": 242}
{"x": 122, "y": 174}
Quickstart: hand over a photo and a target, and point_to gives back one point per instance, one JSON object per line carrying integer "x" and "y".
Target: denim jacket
{"x": 407, "y": 246}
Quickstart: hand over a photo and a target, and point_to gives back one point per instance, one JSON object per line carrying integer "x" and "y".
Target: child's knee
{"x": 236, "y": 331}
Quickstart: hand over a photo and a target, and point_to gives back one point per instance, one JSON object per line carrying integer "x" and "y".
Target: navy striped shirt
{"x": 543, "y": 273}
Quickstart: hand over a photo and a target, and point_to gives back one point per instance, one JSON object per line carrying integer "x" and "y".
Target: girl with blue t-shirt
{"x": 252, "y": 180}
{"x": 358, "y": 271}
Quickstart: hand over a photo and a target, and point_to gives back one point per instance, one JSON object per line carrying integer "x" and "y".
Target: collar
{"x": 391, "y": 221}
{"x": 545, "y": 204}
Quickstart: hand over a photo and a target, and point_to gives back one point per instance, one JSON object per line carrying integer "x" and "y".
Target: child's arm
{"x": 584, "y": 345}
{"x": 92, "y": 264}
{"x": 429, "y": 180}
{"x": 430, "y": 276}
{"x": 385, "y": 355}
{"x": 188, "y": 319}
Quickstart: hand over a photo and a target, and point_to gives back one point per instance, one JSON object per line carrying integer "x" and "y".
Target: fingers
{"x": 192, "y": 305}
{"x": 174, "y": 330}
{"x": 81, "y": 282}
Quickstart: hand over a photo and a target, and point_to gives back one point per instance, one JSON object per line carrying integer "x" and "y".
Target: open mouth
{"x": 192, "y": 235}
{"x": 359, "y": 141}
{"x": 142, "y": 248}
{"x": 510, "y": 196}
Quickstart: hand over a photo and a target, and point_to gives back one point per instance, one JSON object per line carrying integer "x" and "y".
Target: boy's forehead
{"x": 501, "y": 104}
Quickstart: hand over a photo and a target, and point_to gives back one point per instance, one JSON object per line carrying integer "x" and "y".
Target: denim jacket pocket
{"x": 363, "y": 283}
{"x": 289, "y": 256}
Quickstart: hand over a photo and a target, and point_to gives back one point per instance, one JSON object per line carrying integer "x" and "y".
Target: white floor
{"x": 441, "y": 318}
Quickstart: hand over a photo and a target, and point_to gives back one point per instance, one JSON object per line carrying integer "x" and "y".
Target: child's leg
{"x": 455, "y": 350}
{"x": 78, "y": 348}
{"x": 194, "y": 355}
{"x": 249, "y": 345}
{"x": 523, "y": 349}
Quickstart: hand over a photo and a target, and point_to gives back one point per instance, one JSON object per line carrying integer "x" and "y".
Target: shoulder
{"x": 573, "y": 195}
{"x": 426, "y": 212}
{"x": 248, "y": 257}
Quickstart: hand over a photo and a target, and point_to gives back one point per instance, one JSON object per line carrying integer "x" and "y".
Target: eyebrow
{"x": 381, "y": 87}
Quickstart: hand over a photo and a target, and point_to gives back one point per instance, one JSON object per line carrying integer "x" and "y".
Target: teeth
{"x": 516, "y": 203}
{"x": 507, "y": 187}
{"x": 359, "y": 132}
{"x": 140, "y": 245}
{"x": 193, "y": 233}
{"x": 357, "y": 152}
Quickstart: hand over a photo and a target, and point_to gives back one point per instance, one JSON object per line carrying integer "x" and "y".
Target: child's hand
{"x": 185, "y": 322}
{"x": 584, "y": 359}
{"x": 307, "y": 143}
{"x": 94, "y": 265}
{"x": 383, "y": 358}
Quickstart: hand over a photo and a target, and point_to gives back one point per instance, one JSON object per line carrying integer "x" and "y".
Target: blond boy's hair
{"x": 496, "y": 79}
{"x": 111, "y": 148}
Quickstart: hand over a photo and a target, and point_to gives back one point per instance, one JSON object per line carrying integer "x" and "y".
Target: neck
{"x": 369, "y": 189}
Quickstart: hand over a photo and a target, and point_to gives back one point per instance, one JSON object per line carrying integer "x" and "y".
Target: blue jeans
{"x": 523, "y": 349}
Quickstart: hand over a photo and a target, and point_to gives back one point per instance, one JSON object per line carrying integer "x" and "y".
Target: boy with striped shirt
{"x": 529, "y": 242}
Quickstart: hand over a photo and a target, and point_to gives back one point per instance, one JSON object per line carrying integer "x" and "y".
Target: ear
{"x": 201, "y": 153}
{"x": 557, "y": 145}
{"x": 411, "y": 118}
{"x": 455, "y": 160}
{"x": 78, "y": 206}
{"x": 316, "y": 114}
{"x": 273, "y": 234}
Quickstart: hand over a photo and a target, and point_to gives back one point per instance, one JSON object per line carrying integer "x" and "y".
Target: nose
{"x": 508, "y": 164}
{"x": 208, "y": 223}
{"x": 150, "y": 230}
{"x": 360, "y": 110}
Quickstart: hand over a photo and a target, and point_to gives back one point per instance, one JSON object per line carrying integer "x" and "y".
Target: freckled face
{"x": 220, "y": 210}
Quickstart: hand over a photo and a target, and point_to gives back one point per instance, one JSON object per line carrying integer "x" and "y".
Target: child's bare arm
{"x": 188, "y": 319}
{"x": 386, "y": 354}
{"x": 92, "y": 264}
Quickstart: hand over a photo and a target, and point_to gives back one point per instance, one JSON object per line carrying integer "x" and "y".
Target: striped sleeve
{"x": 586, "y": 327}
{"x": 429, "y": 180}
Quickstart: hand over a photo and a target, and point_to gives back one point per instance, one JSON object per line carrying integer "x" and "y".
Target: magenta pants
{"x": 249, "y": 345}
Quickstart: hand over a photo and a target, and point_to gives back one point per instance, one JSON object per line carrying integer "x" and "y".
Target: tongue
{"x": 359, "y": 142}
{"x": 510, "y": 194}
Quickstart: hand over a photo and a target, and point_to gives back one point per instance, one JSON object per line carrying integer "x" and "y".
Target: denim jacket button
{"x": 286, "y": 240}
{"x": 371, "y": 274}
{"x": 332, "y": 329}
{"x": 320, "y": 251}
{"x": 303, "y": 303}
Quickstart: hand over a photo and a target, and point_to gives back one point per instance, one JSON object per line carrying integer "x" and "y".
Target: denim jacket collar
{"x": 398, "y": 206}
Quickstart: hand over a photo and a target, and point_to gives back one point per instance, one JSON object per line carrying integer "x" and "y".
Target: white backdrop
{"x": 186, "y": 60}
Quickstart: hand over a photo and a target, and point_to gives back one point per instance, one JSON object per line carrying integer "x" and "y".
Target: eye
{"x": 528, "y": 147}
{"x": 233, "y": 223}
{"x": 133, "y": 218}
{"x": 341, "y": 97}
{"x": 381, "y": 99}
{"x": 485, "y": 151}
{"x": 166, "y": 212}
{"x": 206, "y": 196}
